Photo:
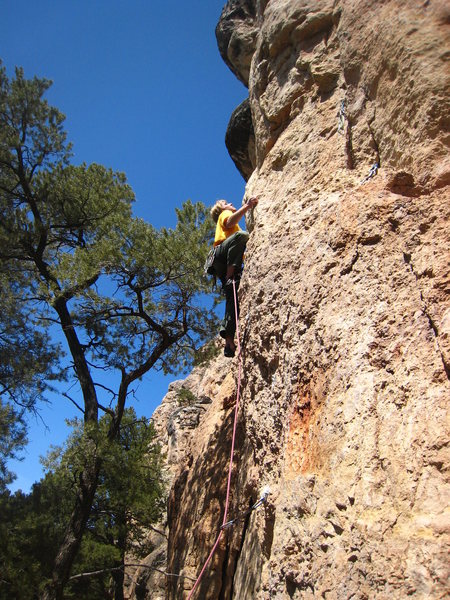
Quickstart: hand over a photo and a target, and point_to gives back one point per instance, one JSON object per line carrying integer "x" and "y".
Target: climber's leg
{"x": 235, "y": 251}
{"x": 228, "y": 266}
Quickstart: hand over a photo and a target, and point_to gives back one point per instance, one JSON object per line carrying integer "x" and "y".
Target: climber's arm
{"x": 234, "y": 219}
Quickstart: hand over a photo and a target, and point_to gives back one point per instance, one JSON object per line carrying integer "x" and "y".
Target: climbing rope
{"x": 226, "y": 524}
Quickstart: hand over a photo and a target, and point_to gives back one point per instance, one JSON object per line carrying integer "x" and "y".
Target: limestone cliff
{"x": 345, "y": 316}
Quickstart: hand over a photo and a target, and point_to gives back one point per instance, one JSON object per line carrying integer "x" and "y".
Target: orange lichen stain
{"x": 302, "y": 452}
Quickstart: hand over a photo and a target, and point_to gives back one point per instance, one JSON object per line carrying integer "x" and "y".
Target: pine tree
{"x": 125, "y": 297}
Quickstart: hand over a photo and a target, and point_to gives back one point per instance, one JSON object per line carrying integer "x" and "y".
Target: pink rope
{"x": 233, "y": 439}
{"x": 237, "y": 320}
{"x": 206, "y": 564}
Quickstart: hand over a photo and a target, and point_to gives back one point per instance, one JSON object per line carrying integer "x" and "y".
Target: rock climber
{"x": 230, "y": 242}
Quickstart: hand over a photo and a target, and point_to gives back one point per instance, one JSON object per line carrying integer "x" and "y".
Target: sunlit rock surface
{"x": 345, "y": 318}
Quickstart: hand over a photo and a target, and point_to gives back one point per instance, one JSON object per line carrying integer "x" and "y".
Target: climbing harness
{"x": 227, "y": 524}
{"x": 373, "y": 171}
{"x": 342, "y": 116}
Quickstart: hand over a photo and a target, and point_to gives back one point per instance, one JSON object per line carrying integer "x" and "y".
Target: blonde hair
{"x": 217, "y": 209}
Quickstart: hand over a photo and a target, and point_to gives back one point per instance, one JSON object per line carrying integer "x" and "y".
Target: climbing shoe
{"x": 229, "y": 352}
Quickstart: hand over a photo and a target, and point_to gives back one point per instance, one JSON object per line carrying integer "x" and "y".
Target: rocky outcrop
{"x": 236, "y": 36}
{"x": 240, "y": 139}
{"x": 345, "y": 318}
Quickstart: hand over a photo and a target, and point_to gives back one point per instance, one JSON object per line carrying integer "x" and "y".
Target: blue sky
{"x": 144, "y": 91}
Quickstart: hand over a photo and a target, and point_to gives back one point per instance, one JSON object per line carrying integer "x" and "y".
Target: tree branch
{"x": 122, "y": 567}
{"x": 108, "y": 411}
{"x": 74, "y": 290}
{"x": 73, "y": 402}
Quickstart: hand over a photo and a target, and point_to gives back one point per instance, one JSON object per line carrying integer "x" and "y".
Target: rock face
{"x": 345, "y": 317}
{"x": 177, "y": 422}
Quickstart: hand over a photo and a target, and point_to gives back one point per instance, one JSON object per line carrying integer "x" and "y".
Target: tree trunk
{"x": 118, "y": 578}
{"x": 74, "y": 533}
{"x": 88, "y": 478}
{"x": 119, "y": 575}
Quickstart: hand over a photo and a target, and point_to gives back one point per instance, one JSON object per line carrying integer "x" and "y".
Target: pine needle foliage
{"x": 123, "y": 296}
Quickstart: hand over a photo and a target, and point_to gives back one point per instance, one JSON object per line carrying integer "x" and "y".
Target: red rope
{"x": 230, "y": 468}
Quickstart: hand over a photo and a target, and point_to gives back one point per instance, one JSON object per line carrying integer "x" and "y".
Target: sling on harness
{"x": 208, "y": 269}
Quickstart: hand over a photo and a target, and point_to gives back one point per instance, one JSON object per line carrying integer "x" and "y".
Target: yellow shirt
{"x": 222, "y": 233}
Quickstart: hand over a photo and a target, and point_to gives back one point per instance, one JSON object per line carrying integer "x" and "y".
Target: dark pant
{"x": 230, "y": 252}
